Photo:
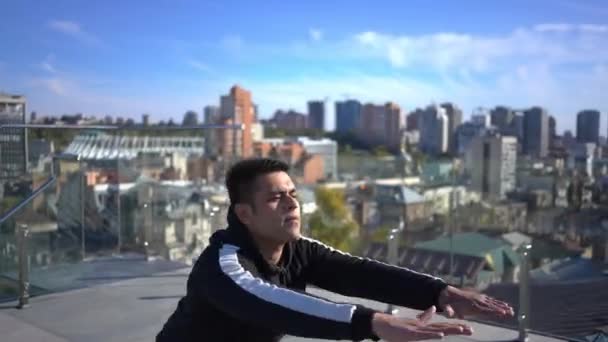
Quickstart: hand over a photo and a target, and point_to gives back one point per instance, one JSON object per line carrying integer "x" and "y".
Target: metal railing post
{"x": 24, "y": 267}
{"x": 523, "y": 316}
{"x": 392, "y": 255}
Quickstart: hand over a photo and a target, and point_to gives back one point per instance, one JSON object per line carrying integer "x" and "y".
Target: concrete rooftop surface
{"x": 134, "y": 310}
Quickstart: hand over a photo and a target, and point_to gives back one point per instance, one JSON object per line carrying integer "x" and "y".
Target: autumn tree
{"x": 332, "y": 223}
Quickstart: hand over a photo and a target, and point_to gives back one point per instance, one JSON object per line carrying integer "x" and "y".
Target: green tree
{"x": 332, "y": 222}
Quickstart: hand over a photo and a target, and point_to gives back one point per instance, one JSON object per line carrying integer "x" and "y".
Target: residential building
{"x": 482, "y": 120}
{"x": 306, "y": 167}
{"x": 581, "y": 157}
{"x": 326, "y": 149}
{"x": 190, "y": 118}
{"x": 145, "y": 119}
{"x": 478, "y": 260}
{"x": 13, "y": 141}
{"x": 552, "y": 132}
{"x": 536, "y": 132}
{"x": 588, "y": 126}
{"x": 398, "y": 202}
{"x": 413, "y": 118}
{"x": 454, "y": 115}
{"x": 381, "y": 125}
{"x": 236, "y": 108}
{"x": 290, "y": 120}
{"x": 491, "y": 162}
{"x": 211, "y": 115}
{"x": 316, "y": 115}
{"x": 348, "y": 115}
{"x": 434, "y": 131}
{"x": 466, "y": 133}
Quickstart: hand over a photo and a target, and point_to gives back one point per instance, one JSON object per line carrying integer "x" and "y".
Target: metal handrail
{"x": 127, "y": 128}
{"x": 28, "y": 199}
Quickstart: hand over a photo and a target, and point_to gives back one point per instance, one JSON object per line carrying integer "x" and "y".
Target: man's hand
{"x": 394, "y": 329}
{"x": 462, "y": 303}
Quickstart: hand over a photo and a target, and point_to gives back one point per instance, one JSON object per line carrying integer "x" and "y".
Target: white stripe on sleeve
{"x": 286, "y": 298}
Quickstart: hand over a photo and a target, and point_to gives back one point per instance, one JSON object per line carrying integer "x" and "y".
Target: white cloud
{"x": 554, "y": 27}
{"x": 48, "y": 64}
{"x": 75, "y": 31}
{"x": 445, "y": 51}
{"x": 198, "y": 65}
{"x": 315, "y": 34}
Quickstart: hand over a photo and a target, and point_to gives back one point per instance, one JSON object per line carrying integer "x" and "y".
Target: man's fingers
{"x": 420, "y": 335}
{"x": 448, "y": 311}
{"x": 426, "y": 316}
{"x": 502, "y": 305}
{"x": 450, "y": 328}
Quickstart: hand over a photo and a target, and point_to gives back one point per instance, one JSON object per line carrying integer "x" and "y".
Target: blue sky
{"x": 165, "y": 57}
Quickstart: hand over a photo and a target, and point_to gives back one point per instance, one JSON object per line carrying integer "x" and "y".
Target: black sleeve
{"x": 352, "y": 276}
{"x": 226, "y": 284}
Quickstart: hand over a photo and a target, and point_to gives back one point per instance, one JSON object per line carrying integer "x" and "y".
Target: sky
{"x": 125, "y": 58}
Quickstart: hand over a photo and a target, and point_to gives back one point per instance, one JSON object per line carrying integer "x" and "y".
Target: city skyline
{"x": 66, "y": 59}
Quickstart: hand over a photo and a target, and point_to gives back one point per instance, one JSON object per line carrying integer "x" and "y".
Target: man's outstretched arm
{"x": 231, "y": 288}
{"x": 342, "y": 273}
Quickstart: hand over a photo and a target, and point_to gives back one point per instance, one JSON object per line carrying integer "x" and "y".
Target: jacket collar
{"x": 243, "y": 239}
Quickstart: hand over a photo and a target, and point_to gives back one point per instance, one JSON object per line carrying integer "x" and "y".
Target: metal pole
{"x": 392, "y": 255}
{"x": 82, "y": 204}
{"x": 24, "y": 267}
{"x": 524, "y": 293}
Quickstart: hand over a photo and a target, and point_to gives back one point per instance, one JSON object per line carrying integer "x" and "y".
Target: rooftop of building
{"x": 132, "y": 307}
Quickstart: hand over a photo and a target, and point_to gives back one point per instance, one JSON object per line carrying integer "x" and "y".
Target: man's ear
{"x": 244, "y": 212}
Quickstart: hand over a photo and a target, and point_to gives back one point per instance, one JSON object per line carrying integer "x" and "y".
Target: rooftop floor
{"x": 133, "y": 310}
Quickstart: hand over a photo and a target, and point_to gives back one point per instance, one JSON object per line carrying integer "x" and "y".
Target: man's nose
{"x": 291, "y": 202}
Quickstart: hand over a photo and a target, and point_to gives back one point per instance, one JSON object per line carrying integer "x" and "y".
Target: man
{"x": 249, "y": 284}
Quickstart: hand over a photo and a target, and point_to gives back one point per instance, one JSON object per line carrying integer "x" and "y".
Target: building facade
{"x": 348, "y": 115}
{"x": 236, "y": 108}
{"x": 316, "y": 115}
{"x": 588, "y": 126}
{"x": 536, "y": 132}
{"x": 434, "y": 131}
{"x": 13, "y": 141}
{"x": 491, "y": 161}
{"x": 454, "y": 115}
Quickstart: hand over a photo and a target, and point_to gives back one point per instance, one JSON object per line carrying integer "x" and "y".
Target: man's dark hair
{"x": 242, "y": 176}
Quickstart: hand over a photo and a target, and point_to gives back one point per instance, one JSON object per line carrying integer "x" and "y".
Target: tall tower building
{"x": 454, "y": 115}
{"x": 536, "y": 132}
{"x": 13, "y": 141}
{"x": 434, "y": 128}
{"x": 316, "y": 114}
{"x": 237, "y": 108}
{"x": 491, "y": 160}
{"x": 588, "y": 126}
{"x": 348, "y": 115}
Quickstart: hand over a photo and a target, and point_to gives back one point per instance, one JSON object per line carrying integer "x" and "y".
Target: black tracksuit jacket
{"x": 233, "y": 294}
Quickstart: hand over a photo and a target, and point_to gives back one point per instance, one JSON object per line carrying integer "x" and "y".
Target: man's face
{"x": 275, "y": 215}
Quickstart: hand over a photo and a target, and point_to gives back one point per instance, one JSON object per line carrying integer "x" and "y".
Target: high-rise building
{"x": 482, "y": 120}
{"x": 33, "y": 117}
{"x": 433, "y": 125}
{"x": 393, "y": 125}
{"x": 502, "y": 117}
{"x": 372, "y": 124}
{"x": 454, "y": 115}
{"x": 413, "y": 118}
{"x": 552, "y": 131}
{"x": 491, "y": 160}
{"x": 290, "y": 120}
{"x": 316, "y": 114}
{"x": 381, "y": 125}
{"x": 211, "y": 115}
{"x": 13, "y": 141}
{"x": 348, "y": 115}
{"x": 237, "y": 108}
{"x": 588, "y": 126}
{"x": 190, "y": 118}
{"x": 536, "y": 132}
{"x": 145, "y": 119}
